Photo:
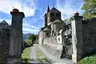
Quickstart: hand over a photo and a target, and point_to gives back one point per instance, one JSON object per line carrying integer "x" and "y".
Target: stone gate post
{"x": 77, "y": 38}
{"x": 15, "y": 37}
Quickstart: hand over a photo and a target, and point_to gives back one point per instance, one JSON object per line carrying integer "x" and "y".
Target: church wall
{"x": 40, "y": 36}
{"x": 52, "y": 46}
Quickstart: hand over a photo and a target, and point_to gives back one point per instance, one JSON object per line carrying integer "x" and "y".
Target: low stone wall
{"x": 89, "y": 37}
{"x": 4, "y": 46}
{"x": 52, "y": 46}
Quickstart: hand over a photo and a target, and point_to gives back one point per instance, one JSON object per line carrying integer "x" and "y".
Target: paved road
{"x": 51, "y": 58}
{"x": 33, "y": 59}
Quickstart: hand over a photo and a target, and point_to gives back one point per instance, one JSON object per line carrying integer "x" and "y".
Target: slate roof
{"x": 4, "y": 22}
{"x": 54, "y": 9}
{"x": 57, "y": 21}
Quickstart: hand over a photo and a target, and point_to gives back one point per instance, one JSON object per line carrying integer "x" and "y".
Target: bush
{"x": 88, "y": 60}
{"x": 28, "y": 42}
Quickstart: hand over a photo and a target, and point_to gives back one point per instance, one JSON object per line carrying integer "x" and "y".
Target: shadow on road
{"x": 35, "y": 61}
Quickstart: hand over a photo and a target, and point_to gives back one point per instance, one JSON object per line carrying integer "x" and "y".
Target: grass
{"x": 88, "y": 60}
{"x": 26, "y": 53}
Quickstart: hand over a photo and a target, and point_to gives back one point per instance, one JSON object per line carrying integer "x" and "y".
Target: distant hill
{"x": 25, "y": 36}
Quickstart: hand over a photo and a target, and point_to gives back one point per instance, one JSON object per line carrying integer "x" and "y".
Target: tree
{"x": 32, "y": 37}
{"x": 28, "y": 42}
{"x": 90, "y": 9}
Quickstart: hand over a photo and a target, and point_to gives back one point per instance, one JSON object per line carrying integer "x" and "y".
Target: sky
{"x": 34, "y": 11}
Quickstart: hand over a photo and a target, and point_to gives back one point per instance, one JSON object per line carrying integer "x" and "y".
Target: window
{"x": 47, "y": 34}
{"x": 52, "y": 14}
{"x": 57, "y": 14}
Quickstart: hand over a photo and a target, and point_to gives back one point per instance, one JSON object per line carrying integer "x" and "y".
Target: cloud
{"x": 7, "y": 20}
{"x": 26, "y": 6}
{"x": 27, "y": 28}
{"x": 69, "y": 7}
{"x": 30, "y": 26}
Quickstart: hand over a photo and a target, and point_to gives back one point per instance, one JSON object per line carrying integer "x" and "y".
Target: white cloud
{"x": 27, "y": 28}
{"x": 26, "y": 6}
{"x": 30, "y": 26}
{"x": 68, "y": 7}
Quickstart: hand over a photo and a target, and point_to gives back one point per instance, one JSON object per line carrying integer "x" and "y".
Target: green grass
{"x": 26, "y": 53}
{"x": 88, "y": 60}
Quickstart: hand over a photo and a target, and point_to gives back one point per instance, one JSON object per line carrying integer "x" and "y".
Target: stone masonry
{"x": 16, "y": 37}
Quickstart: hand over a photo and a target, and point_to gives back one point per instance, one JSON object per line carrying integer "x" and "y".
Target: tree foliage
{"x": 90, "y": 9}
{"x": 28, "y": 42}
{"x": 32, "y": 37}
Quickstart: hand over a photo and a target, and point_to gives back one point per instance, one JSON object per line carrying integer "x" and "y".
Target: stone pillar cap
{"x": 15, "y": 10}
{"x": 76, "y": 14}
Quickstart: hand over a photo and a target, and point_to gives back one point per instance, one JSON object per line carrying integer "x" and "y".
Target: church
{"x": 52, "y": 24}
{"x": 51, "y": 35}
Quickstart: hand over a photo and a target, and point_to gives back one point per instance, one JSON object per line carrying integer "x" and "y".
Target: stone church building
{"x": 51, "y": 35}
{"x": 53, "y": 24}
{"x": 74, "y": 40}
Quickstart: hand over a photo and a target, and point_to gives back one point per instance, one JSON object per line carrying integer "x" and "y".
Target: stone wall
{"x": 4, "y": 45}
{"x": 83, "y": 38}
{"x": 52, "y": 46}
{"x": 40, "y": 36}
{"x": 77, "y": 38}
{"x": 89, "y": 36}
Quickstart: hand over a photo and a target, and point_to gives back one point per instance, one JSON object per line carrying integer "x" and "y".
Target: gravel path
{"x": 33, "y": 59}
{"x": 50, "y": 57}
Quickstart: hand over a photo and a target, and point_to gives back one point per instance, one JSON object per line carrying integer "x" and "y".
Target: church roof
{"x": 54, "y": 10}
{"x": 57, "y": 21}
{"x": 46, "y": 29}
{"x": 4, "y": 22}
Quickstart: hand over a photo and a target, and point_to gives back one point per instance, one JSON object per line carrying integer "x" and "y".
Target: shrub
{"x": 28, "y": 42}
{"x": 88, "y": 60}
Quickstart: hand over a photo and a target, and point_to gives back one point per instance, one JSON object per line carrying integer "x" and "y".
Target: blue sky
{"x": 34, "y": 11}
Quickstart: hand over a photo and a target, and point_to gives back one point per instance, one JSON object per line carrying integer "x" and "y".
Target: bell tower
{"x": 53, "y": 15}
